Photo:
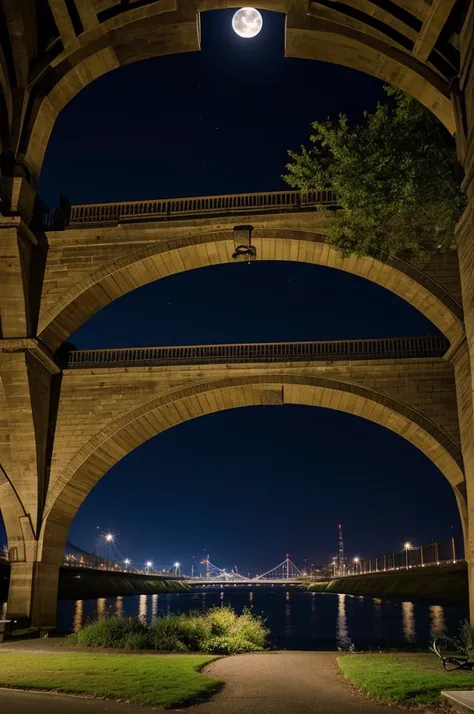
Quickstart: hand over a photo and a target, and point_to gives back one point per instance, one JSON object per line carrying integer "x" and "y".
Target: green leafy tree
{"x": 396, "y": 176}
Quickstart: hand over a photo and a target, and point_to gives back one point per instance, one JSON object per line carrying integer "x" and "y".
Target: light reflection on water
{"x": 409, "y": 629}
{"x": 101, "y": 606}
{"x": 342, "y": 636}
{"x": 296, "y": 619}
{"x": 438, "y": 624}
{"x": 288, "y": 628}
{"x": 154, "y": 607}
{"x": 78, "y": 615}
{"x": 142, "y": 608}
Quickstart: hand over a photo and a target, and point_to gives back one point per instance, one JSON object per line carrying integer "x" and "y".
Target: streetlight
{"x": 407, "y": 547}
{"x": 109, "y": 538}
{"x": 356, "y": 561}
{"x": 148, "y": 565}
{"x": 177, "y": 566}
{"x": 127, "y": 563}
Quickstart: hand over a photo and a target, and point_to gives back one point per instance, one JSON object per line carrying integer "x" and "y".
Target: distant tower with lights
{"x": 340, "y": 555}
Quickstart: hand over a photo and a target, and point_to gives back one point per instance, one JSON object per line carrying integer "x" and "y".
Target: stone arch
{"x": 73, "y": 307}
{"x": 18, "y": 526}
{"x": 168, "y": 27}
{"x": 122, "y": 436}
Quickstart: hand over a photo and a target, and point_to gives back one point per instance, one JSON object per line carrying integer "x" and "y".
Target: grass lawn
{"x": 404, "y": 678}
{"x": 166, "y": 680}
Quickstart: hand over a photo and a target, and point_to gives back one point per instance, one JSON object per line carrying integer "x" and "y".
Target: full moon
{"x": 247, "y": 22}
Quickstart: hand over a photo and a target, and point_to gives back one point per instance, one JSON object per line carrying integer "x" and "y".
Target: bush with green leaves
{"x": 219, "y": 630}
{"x": 112, "y": 632}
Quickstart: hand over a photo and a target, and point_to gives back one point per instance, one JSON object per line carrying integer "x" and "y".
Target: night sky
{"x": 247, "y": 485}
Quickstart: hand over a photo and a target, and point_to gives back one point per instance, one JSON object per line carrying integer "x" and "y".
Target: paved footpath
{"x": 281, "y": 682}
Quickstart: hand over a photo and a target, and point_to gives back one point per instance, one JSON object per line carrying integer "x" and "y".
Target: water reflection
{"x": 377, "y": 603}
{"x": 154, "y": 606}
{"x": 142, "y": 609}
{"x": 408, "y": 615}
{"x": 287, "y": 614}
{"x": 78, "y": 615}
{"x": 438, "y": 623}
{"x": 101, "y": 606}
{"x": 296, "y": 619}
{"x": 342, "y": 633}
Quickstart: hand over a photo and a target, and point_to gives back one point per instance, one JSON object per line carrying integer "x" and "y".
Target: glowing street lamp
{"x": 109, "y": 538}
{"x": 177, "y": 566}
{"x": 148, "y": 565}
{"x": 407, "y": 547}
{"x": 356, "y": 562}
{"x": 127, "y": 562}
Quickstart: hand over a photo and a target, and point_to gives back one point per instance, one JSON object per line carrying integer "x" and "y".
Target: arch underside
{"x": 65, "y": 314}
{"x": 168, "y": 27}
{"x": 131, "y": 430}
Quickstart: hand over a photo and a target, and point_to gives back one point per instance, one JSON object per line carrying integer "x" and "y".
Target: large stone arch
{"x": 398, "y": 46}
{"x": 123, "y": 435}
{"x": 61, "y": 317}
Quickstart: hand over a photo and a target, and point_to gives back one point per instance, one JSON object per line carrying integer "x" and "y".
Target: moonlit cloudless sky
{"x": 246, "y": 485}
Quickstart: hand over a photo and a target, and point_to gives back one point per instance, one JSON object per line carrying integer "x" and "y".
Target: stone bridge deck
{"x": 384, "y": 348}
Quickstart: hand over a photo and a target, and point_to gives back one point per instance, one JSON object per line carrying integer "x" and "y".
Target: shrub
{"x": 219, "y": 630}
{"x": 108, "y": 632}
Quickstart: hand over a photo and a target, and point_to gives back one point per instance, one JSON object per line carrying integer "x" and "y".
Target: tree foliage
{"x": 396, "y": 176}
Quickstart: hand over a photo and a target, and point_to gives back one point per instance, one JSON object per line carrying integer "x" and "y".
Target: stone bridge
{"x": 54, "y": 276}
{"x": 105, "y": 250}
{"x": 111, "y": 401}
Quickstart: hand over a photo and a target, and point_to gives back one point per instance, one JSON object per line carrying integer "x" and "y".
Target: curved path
{"x": 285, "y": 682}
{"x": 267, "y": 683}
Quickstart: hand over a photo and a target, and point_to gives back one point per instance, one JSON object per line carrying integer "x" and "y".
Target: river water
{"x": 296, "y": 619}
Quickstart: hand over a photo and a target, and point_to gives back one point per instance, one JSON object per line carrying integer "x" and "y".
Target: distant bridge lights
{"x": 148, "y": 565}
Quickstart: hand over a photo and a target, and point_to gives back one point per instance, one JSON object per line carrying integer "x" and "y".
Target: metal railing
{"x": 226, "y": 204}
{"x": 440, "y": 553}
{"x": 430, "y": 346}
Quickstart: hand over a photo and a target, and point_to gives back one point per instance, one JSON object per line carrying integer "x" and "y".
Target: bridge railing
{"x": 165, "y": 208}
{"x": 429, "y": 346}
{"x": 438, "y": 553}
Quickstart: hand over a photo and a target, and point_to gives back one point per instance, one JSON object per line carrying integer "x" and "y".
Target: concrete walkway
{"x": 267, "y": 683}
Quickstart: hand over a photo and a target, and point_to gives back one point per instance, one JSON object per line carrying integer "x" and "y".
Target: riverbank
{"x": 155, "y": 680}
{"x": 446, "y": 582}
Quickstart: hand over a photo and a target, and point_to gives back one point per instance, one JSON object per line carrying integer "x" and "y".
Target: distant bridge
{"x": 446, "y": 552}
{"x": 286, "y": 571}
